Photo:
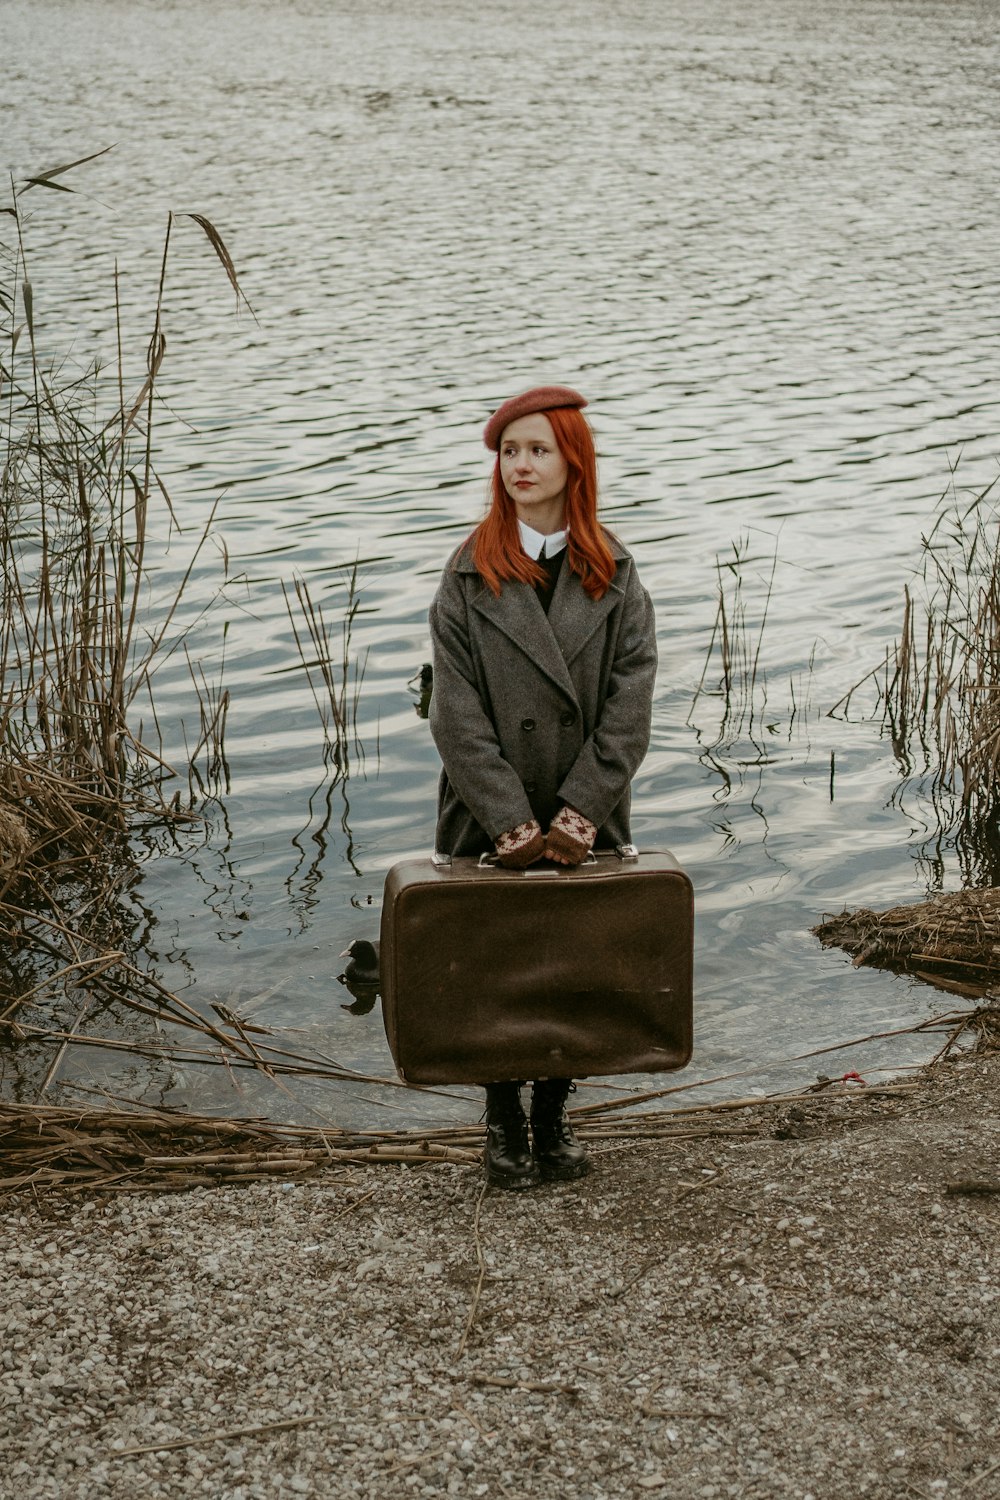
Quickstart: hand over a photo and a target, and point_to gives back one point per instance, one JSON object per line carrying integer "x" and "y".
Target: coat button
{"x": 529, "y": 787}
{"x": 567, "y": 717}
{"x": 527, "y": 723}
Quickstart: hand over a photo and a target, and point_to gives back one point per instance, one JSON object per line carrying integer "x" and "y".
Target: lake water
{"x": 762, "y": 239}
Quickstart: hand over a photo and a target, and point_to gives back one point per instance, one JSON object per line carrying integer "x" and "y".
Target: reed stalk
{"x": 733, "y": 673}
{"x": 81, "y": 637}
{"x": 938, "y": 687}
{"x": 334, "y": 674}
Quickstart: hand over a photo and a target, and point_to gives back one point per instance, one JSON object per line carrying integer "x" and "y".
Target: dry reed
{"x": 735, "y": 648}
{"x": 938, "y": 687}
{"x": 334, "y": 675}
{"x": 80, "y": 639}
{"x": 734, "y": 675}
{"x": 128, "y": 1149}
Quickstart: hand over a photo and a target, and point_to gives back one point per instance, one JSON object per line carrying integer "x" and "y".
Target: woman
{"x": 544, "y": 662}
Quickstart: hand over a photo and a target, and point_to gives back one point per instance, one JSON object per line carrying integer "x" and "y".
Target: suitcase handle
{"x": 489, "y": 861}
{"x": 627, "y": 853}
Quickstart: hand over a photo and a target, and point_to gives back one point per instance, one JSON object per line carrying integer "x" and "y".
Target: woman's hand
{"x": 570, "y": 837}
{"x": 519, "y": 847}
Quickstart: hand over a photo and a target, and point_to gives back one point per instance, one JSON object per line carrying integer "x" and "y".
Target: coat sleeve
{"x": 461, "y": 724}
{"x": 603, "y": 770}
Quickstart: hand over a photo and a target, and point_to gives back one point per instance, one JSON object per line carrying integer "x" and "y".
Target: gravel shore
{"x": 808, "y": 1308}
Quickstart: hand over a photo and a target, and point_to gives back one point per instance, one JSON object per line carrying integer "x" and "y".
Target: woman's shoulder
{"x": 462, "y": 559}
{"x": 624, "y": 561}
{"x": 619, "y": 551}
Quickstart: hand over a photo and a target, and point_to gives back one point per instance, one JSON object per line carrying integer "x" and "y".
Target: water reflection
{"x": 421, "y": 684}
{"x": 361, "y": 976}
{"x": 303, "y": 882}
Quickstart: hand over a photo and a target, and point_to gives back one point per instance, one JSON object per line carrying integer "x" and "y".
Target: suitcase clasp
{"x": 627, "y": 852}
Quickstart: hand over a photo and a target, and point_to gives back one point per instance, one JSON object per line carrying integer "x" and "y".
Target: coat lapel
{"x": 551, "y": 641}
{"x": 522, "y": 619}
{"x": 574, "y": 616}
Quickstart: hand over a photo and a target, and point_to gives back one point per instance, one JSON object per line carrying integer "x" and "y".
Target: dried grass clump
{"x": 938, "y": 694}
{"x": 117, "y": 1150}
{"x": 952, "y": 941}
{"x": 84, "y": 629}
{"x": 15, "y": 842}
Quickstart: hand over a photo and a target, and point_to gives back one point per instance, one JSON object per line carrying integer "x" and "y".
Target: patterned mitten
{"x": 570, "y": 836}
{"x": 519, "y": 847}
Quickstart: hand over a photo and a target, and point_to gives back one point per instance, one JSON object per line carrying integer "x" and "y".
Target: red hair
{"x": 497, "y": 551}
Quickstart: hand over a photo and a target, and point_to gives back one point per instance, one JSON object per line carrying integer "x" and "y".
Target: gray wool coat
{"x": 532, "y": 711}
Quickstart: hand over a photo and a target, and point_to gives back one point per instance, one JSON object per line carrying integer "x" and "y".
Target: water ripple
{"x": 763, "y": 242}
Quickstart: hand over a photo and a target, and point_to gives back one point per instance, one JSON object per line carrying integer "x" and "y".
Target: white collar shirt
{"x": 537, "y": 545}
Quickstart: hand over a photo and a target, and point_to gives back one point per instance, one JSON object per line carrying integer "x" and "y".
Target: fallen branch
{"x": 508, "y": 1383}
{"x": 687, "y": 1189}
{"x": 221, "y": 1436}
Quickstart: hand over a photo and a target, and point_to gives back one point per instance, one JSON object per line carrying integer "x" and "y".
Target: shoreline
{"x": 810, "y": 1306}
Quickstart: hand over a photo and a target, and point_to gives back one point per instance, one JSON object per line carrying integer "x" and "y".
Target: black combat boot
{"x": 508, "y": 1159}
{"x": 557, "y": 1151}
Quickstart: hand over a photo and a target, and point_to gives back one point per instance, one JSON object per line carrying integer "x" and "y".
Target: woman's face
{"x": 533, "y": 471}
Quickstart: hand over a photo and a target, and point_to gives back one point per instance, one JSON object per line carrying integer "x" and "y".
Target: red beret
{"x": 542, "y": 398}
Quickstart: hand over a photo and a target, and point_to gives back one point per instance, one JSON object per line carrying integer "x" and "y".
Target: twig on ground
{"x": 222, "y": 1435}
{"x": 351, "y": 1207}
{"x": 680, "y": 1411}
{"x": 643, "y": 1270}
{"x": 416, "y": 1458}
{"x": 481, "y": 1277}
{"x": 472, "y": 1421}
{"x": 971, "y": 1484}
{"x": 688, "y": 1188}
{"x": 507, "y": 1383}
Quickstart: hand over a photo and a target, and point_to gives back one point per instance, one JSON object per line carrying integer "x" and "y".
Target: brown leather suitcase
{"x": 489, "y": 974}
